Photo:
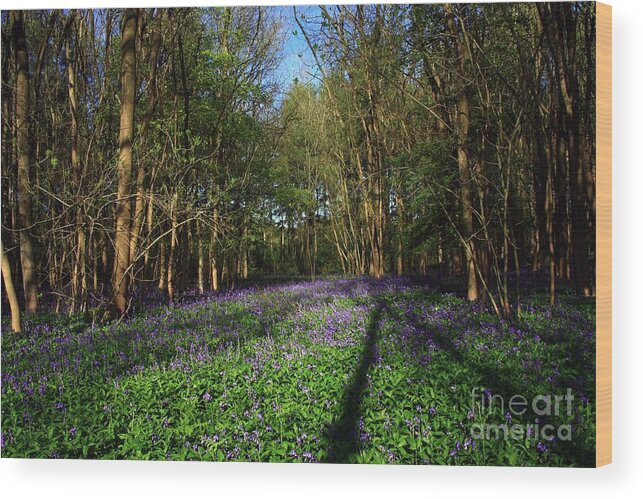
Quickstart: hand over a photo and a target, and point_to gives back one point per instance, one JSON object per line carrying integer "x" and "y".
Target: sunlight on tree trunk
{"x": 16, "y": 325}
{"x": 128, "y": 90}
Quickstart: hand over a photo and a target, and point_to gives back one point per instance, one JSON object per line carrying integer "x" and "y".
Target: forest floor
{"x": 336, "y": 370}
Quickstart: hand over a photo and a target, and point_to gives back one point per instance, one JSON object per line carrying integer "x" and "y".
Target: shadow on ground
{"x": 503, "y": 382}
{"x": 344, "y": 434}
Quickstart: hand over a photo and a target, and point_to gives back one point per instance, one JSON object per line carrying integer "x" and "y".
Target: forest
{"x": 385, "y": 199}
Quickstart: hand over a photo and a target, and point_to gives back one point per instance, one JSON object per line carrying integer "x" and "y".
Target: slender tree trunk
{"x": 549, "y": 212}
{"x": 400, "y": 234}
{"x": 214, "y": 270}
{"x": 104, "y": 258}
{"x": 23, "y": 145}
{"x": 79, "y": 272}
{"x": 464, "y": 167}
{"x": 171, "y": 272}
{"x": 162, "y": 265}
{"x": 245, "y": 268}
{"x": 141, "y": 171}
{"x": 466, "y": 196}
{"x": 214, "y": 258}
{"x": 95, "y": 264}
{"x": 128, "y": 93}
{"x": 517, "y": 270}
{"x": 201, "y": 259}
{"x": 539, "y": 181}
{"x": 11, "y": 292}
{"x": 149, "y": 218}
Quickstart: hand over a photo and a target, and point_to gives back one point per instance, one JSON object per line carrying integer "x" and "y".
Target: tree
{"x": 79, "y": 271}
{"x": 29, "y": 277}
{"x": 16, "y": 324}
{"x": 126, "y": 137}
{"x": 463, "y": 119}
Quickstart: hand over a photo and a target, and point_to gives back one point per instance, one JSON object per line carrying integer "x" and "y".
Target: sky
{"x": 297, "y": 60}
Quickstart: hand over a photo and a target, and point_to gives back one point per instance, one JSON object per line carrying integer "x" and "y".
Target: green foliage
{"x": 269, "y": 377}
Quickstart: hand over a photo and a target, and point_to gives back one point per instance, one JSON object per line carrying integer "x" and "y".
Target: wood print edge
{"x": 603, "y": 234}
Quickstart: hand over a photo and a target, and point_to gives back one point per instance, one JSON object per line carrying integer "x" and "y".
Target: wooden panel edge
{"x": 603, "y": 234}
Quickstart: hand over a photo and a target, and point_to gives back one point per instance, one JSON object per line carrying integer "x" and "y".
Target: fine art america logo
{"x": 543, "y": 407}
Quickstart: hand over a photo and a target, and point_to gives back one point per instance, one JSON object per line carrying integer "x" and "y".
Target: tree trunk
{"x": 201, "y": 259}
{"x": 549, "y": 212}
{"x": 79, "y": 273}
{"x": 11, "y": 292}
{"x": 214, "y": 267}
{"x": 171, "y": 272}
{"x": 400, "y": 234}
{"x": 141, "y": 172}
{"x": 464, "y": 167}
{"x": 466, "y": 196}
{"x": 23, "y": 146}
{"x": 162, "y": 265}
{"x": 128, "y": 93}
{"x": 245, "y": 268}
